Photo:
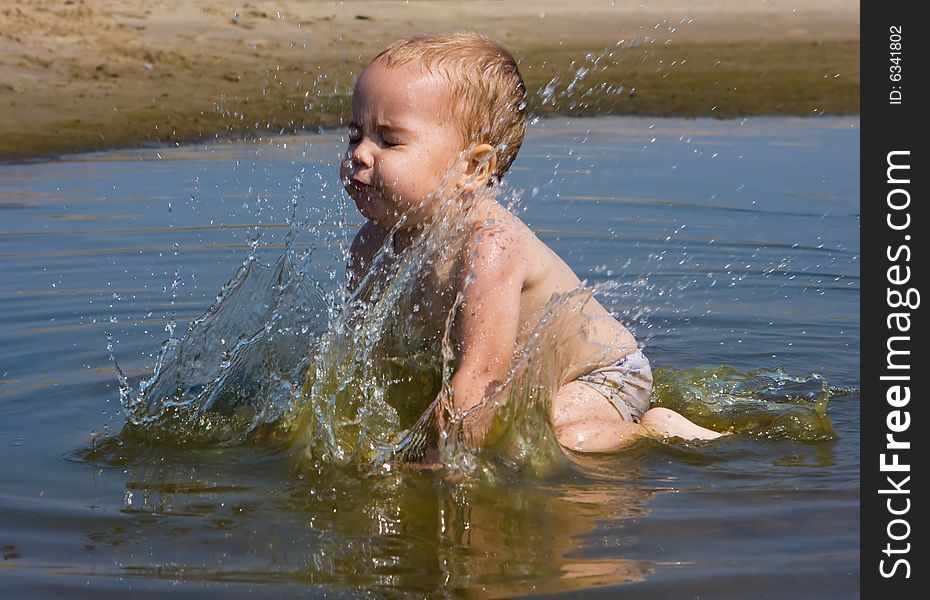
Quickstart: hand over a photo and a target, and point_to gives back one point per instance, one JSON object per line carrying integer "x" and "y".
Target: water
{"x": 729, "y": 247}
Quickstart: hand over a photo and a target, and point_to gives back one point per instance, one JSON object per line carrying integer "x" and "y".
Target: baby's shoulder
{"x": 502, "y": 231}
{"x": 501, "y": 248}
{"x": 504, "y": 237}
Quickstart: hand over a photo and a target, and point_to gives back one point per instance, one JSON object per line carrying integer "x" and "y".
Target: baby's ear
{"x": 481, "y": 161}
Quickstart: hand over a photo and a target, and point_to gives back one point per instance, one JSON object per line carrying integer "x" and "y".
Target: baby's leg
{"x": 584, "y": 421}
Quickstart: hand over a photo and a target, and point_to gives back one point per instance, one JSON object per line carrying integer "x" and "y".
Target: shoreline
{"x": 265, "y": 138}
{"x": 105, "y": 74}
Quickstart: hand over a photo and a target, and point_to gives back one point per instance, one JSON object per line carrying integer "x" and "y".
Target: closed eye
{"x": 392, "y": 136}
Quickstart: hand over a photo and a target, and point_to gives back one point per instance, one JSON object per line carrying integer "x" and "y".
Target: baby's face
{"x": 403, "y": 149}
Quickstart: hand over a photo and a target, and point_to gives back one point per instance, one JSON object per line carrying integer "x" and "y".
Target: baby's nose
{"x": 361, "y": 155}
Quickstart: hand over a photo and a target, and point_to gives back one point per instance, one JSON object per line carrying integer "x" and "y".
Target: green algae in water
{"x": 767, "y": 403}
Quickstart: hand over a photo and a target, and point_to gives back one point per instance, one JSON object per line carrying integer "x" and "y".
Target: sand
{"x": 78, "y": 75}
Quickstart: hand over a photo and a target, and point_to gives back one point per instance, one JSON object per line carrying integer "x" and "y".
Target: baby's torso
{"x": 551, "y": 303}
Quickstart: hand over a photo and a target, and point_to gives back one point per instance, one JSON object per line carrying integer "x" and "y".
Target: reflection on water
{"x": 729, "y": 247}
{"x": 413, "y": 532}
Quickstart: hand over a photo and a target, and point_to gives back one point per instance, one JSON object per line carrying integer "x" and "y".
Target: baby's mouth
{"x": 359, "y": 190}
{"x": 362, "y": 194}
{"x": 351, "y": 182}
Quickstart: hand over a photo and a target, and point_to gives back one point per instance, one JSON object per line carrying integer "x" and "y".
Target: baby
{"x": 442, "y": 116}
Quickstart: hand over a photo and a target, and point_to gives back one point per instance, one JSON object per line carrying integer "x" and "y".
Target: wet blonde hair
{"x": 488, "y": 93}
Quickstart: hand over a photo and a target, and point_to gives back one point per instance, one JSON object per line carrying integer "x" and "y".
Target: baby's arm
{"x": 485, "y": 327}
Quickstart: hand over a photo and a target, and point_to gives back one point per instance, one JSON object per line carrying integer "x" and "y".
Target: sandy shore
{"x": 92, "y": 74}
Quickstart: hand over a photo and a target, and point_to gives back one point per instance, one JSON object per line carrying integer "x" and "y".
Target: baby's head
{"x": 431, "y": 115}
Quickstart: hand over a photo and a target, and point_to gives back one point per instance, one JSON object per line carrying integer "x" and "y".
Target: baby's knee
{"x": 571, "y": 435}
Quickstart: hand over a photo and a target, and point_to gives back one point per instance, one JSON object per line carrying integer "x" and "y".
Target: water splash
{"x": 371, "y": 394}
{"x": 352, "y": 380}
{"x": 233, "y": 370}
{"x": 584, "y": 84}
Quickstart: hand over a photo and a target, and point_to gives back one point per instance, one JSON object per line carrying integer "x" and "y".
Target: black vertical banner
{"x": 895, "y": 375}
